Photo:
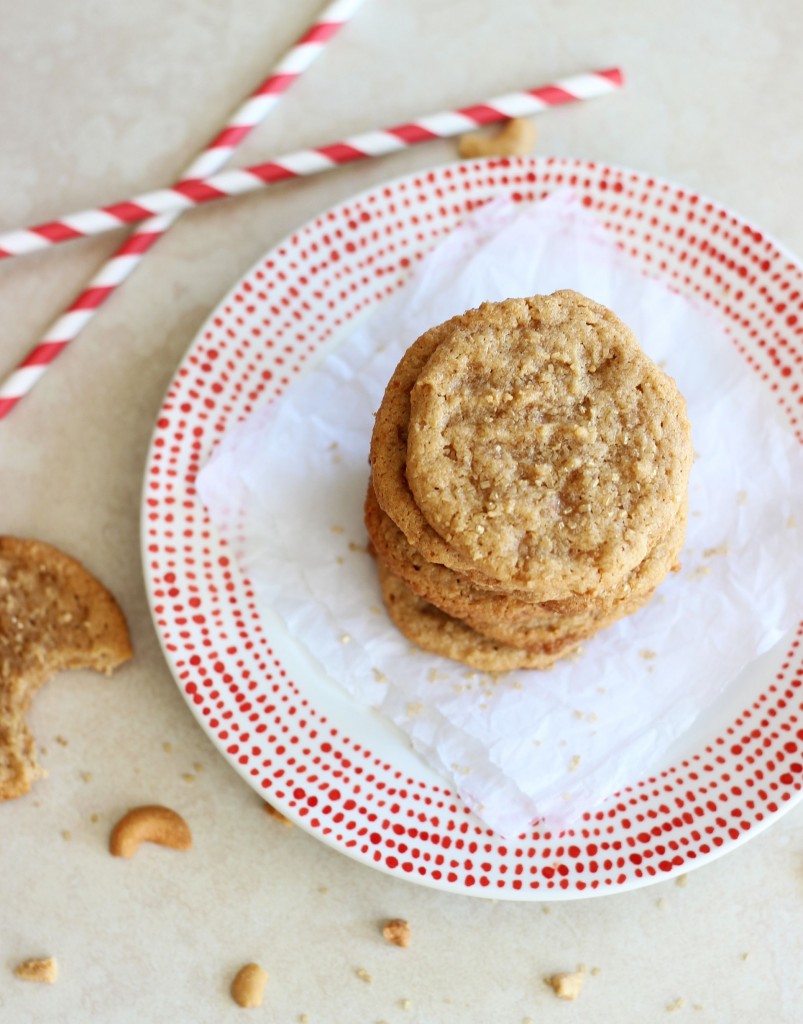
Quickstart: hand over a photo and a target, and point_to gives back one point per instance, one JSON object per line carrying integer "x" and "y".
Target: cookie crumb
{"x": 566, "y": 986}
{"x": 661, "y": 903}
{"x": 86, "y": 776}
{"x": 323, "y": 888}
{"x": 337, "y": 529}
{"x": 94, "y": 818}
{"x": 791, "y": 523}
{"x": 397, "y": 932}
{"x": 405, "y": 1004}
{"x": 345, "y": 638}
{"x": 62, "y": 742}
{"x": 681, "y": 881}
{"x": 595, "y": 971}
{"x": 574, "y": 764}
{"x": 167, "y": 747}
{"x": 363, "y": 975}
{"x": 414, "y": 709}
{"x": 188, "y": 777}
{"x": 66, "y": 835}
{"x": 197, "y": 766}
{"x": 720, "y": 550}
{"x": 380, "y": 677}
{"x": 741, "y": 497}
{"x": 745, "y": 956}
{"x": 678, "y": 1004}
{"x": 303, "y": 1018}
{"x": 45, "y": 970}
{"x": 647, "y": 654}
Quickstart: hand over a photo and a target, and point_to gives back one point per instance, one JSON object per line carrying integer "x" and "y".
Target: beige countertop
{"x": 99, "y": 101}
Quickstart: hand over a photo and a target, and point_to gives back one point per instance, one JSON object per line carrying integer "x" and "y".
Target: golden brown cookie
{"x": 435, "y": 631}
{"x": 54, "y": 615}
{"x": 504, "y": 616}
{"x": 451, "y": 591}
{"x": 544, "y": 447}
{"x": 389, "y": 459}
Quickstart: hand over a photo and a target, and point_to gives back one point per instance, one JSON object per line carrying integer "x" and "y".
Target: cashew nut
{"x": 398, "y": 932}
{"x": 248, "y": 986}
{"x": 46, "y": 970}
{"x": 566, "y": 986}
{"x": 151, "y": 824}
{"x": 516, "y": 138}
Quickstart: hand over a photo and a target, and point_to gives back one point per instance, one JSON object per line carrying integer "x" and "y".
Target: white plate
{"x": 340, "y": 771}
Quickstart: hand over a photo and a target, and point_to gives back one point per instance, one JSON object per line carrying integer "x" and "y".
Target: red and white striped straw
{"x": 195, "y": 192}
{"x": 114, "y": 272}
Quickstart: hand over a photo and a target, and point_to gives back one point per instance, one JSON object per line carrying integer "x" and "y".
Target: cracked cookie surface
{"x": 544, "y": 447}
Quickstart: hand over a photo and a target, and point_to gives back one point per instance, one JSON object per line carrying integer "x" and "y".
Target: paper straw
{"x": 118, "y": 267}
{"x": 196, "y": 192}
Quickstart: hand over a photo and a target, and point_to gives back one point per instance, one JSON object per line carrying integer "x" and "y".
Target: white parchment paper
{"x": 286, "y": 487}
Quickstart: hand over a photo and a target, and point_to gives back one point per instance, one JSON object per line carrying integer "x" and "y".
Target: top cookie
{"x": 544, "y": 446}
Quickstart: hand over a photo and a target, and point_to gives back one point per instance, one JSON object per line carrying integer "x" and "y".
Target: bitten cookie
{"x": 54, "y": 615}
{"x": 544, "y": 447}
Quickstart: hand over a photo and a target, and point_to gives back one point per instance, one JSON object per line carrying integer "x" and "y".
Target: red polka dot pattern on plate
{"x": 259, "y": 339}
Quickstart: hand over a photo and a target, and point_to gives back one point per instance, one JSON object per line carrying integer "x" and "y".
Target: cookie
{"x": 433, "y": 630}
{"x": 451, "y": 591}
{"x": 54, "y": 615}
{"x": 501, "y": 615}
{"x": 388, "y": 459}
{"x": 544, "y": 447}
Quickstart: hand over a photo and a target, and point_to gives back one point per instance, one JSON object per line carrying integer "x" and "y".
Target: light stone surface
{"x": 102, "y": 100}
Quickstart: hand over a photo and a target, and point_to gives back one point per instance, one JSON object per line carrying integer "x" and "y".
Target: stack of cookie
{"x": 529, "y": 481}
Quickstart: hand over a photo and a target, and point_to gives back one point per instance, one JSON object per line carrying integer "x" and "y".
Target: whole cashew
{"x": 516, "y": 138}
{"x": 151, "y": 824}
{"x": 248, "y": 986}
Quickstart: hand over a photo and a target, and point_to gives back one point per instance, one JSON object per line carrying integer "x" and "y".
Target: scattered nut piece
{"x": 515, "y": 138}
{"x": 45, "y": 970}
{"x": 150, "y": 824}
{"x": 271, "y": 810}
{"x": 398, "y": 932}
{"x": 566, "y": 986}
{"x": 363, "y": 975}
{"x": 248, "y": 987}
